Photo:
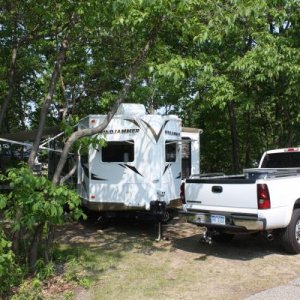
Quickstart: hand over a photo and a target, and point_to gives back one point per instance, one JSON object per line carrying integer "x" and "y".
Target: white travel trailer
{"x": 141, "y": 162}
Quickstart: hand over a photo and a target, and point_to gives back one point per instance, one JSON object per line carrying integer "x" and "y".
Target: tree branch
{"x": 70, "y": 173}
{"x": 122, "y": 95}
{"x": 48, "y": 99}
{"x": 11, "y": 82}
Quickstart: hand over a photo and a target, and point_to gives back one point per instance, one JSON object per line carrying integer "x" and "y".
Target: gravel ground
{"x": 289, "y": 291}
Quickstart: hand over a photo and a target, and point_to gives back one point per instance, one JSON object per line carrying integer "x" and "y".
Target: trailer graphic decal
{"x": 155, "y": 135}
{"x": 85, "y": 169}
{"x": 123, "y": 131}
{"x": 86, "y": 173}
{"x": 179, "y": 175}
{"x": 172, "y": 133}
{"x": 134, "y": 122}
{"x": 166, "y": 168}
{"x": 84, "y": 187}
{"x": 95, "y": 177}
{"x": 131, "y": 168}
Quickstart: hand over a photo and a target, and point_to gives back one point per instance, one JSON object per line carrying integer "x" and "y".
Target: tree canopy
{"x": 237, "y": 59}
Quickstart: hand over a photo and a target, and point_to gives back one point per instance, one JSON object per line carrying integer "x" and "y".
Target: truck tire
{"x": 223, "y": 237}
{"x": 290, "y": 236}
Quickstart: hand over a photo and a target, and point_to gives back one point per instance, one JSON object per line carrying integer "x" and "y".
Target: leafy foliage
{"x": 31, "y": 210}
{"x": 38, "y": 200}
{"x": 10, "y": 272}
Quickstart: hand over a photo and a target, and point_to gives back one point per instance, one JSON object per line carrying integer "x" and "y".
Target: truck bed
{"x": 235, "y": 191}
{"x": 248, "y": 176}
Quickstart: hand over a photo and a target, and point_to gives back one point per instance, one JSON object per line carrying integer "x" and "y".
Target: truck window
{"x": 170, "y": 150}
{"x": 118, "y": 152}
{"x": 282, "y": 160}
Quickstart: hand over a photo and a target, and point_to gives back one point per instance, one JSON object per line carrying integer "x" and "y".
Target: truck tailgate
{"x": 241, "y": 193}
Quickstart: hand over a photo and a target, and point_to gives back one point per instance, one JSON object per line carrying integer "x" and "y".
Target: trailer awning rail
{"x": 7, "y": 141}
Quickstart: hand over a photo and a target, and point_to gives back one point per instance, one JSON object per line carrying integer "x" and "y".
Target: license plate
{"x": 217, "y": 219}
{"x": 200, "y": 218}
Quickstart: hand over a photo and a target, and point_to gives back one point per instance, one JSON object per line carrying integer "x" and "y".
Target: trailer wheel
{"x": 223, "y": 237}
{"x": 290, "y": 236}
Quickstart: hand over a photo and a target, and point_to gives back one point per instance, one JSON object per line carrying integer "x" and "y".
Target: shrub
{"x": 10, "y": 273}
{"x": 33, "y": 208}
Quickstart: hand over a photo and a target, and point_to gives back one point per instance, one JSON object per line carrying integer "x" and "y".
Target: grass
{"x": 80, "y": 265}
{"x": 126, "y": 263}
{"x": 84, "y": 265}
{"x": 139, "y": 276}
{"x": 83, "y": 262}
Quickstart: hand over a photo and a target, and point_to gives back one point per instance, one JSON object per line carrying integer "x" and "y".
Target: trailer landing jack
{"x": 159, "y": 210}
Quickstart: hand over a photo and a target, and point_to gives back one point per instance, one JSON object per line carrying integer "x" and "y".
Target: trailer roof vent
{"x": 131, "y": 109}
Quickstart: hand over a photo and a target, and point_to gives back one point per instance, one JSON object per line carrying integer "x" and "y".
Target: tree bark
{"x": 48, "y": 100}
{"x": 11, "y": 83}
{"x": 234, "y": 138}
{"x": 16, "y": 242}
{"x": 17, "y": 234}
{"x": 247, "y": 116}
{"x": 48, "y": 243}
{"x": 64, "y": 107}
{"x": 33, "y": 251}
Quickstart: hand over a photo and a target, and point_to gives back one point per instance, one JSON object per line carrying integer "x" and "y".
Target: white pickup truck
{"x": 265, "y": 199}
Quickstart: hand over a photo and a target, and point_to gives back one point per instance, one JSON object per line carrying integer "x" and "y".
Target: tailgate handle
{"x": 217, "y": 189}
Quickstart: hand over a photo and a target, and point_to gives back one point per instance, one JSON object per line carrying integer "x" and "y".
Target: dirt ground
{"x": 179, "y": 267}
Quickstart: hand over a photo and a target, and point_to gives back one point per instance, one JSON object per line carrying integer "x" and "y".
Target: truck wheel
{"x": 290, "y": 236}
{"x": 223, "y": 237}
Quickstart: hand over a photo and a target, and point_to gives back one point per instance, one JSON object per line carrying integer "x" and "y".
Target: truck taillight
{"x": 263, "y": 197}
{"x": 182, "y": 194}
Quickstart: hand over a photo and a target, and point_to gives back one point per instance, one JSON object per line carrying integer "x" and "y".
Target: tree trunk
{"x": 16, "y": 242}
{"x": 64, "y": 107}
{"x": 11, "y": 83}
{"x": 234, "y": 138}
{"x": 49, "y": 243}
{"x": 248, "y": 139}
{"x": 17, "y": 234}
{"x": 48, "y": 100}
{"x": 33, "y": 251}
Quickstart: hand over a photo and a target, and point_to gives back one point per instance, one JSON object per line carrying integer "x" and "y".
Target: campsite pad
{"x": 130, "y": 264}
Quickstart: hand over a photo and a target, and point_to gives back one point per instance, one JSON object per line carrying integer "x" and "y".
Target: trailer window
{"x": 186, "y": 158}
{"x": 118, "y": 152}
{"x": 170, "y": 150}
{"x": 85, "y": 159}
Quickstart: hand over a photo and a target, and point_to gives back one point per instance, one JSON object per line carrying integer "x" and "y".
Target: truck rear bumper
{"x": 225, "y": 221}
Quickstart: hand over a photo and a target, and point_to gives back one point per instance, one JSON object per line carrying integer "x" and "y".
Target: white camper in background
{"x": 141, "y": 163}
